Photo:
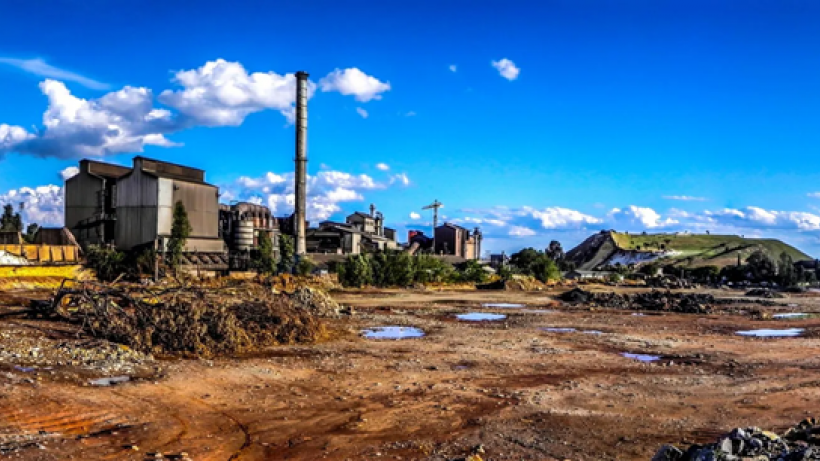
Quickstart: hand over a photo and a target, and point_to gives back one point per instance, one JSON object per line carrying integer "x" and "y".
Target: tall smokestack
{"x": 301, "y": 161}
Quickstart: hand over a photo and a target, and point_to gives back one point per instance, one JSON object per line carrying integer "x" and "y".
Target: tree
{"x": 263, "y": 259}
{"x": 472, "y": 271}
{"x": 785, "y": 271}
{"x": 10, "y": 221}
{"x": 180, "y": 231}
{"x": 305, "y": 266}
{"x": 761, "y": 266}
{"x": 524, "y": 259}
{"x": 555, "y": 251}
{"x": 286, "y": 254}
{"x": 31, "y": 231}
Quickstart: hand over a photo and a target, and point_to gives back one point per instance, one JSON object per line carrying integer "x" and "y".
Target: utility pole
{"x": 434, "y": 206}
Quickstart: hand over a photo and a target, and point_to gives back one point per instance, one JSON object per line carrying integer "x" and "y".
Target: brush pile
{"x": 802, "y": 442}
{"x": 191, "y": 321}
{"x": 688, "y": 303}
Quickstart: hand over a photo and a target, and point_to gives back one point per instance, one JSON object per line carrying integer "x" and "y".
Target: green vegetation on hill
{"x": 702, "y": 247}
{"x": 688, "y": 250}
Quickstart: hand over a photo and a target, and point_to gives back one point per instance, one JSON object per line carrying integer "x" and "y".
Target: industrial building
{"x": 241, "y": 225}
{"x": 360, "y": 233}
{"x": 452, "y": 239}
{"x": 133, "y": 207}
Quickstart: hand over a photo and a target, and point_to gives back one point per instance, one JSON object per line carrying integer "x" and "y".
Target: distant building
{"x": 452, "y": 239}
{"x": 91, "y": 202}
{"x": 360, "y": 233}
{"x": 133, "y": 207}
{"x": 242, "y": 224}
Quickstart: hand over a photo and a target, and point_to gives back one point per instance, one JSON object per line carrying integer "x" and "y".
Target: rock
{"x": 668, "y": 453}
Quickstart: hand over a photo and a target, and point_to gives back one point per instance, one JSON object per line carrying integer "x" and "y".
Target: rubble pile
{"x": 186, "y": 320}
{"x": 689, "y": 303}
{"x": 316, "y": 302}
{"x": 802, "y": 442}
{"x": 764, "y": 293}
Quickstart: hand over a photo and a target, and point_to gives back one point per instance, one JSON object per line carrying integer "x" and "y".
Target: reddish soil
{"x": 521, "y": 392}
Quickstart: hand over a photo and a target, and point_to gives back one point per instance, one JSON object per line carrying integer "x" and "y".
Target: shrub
{"x": 106, "y": 262}
{"x": 305, "y": 266}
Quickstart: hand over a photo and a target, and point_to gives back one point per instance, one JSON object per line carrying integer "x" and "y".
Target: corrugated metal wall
{"x": 202, "y": 204}
{"x": 136, "y": 210}
{"x": 81, "y": 204}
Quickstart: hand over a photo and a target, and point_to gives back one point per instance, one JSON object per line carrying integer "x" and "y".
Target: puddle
{"x": 109, "y": 381}
{"x": 504, "y": 305}
{"x": 769, "y": 333}
{"x": 393, "y": 332}
{"x": 560, "y": 330}
{"x": 638, "y": 314}
{"x": 790, "y": 315}
{"x": 538, "y": 311}
{"x": 480, "y": 316}
{"x": 641, "y": 357}
{"x": 593, "y": 332}
{"x": 791, "y": 305}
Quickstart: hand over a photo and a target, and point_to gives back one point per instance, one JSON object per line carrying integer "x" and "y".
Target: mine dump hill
{"x": 685, "y": 250}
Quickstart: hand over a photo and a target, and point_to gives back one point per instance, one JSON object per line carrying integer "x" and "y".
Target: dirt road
{"x": 520, "y": 391}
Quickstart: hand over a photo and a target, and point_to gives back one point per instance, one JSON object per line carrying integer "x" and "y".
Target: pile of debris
{"x": 186, "y": 320}
{"x": 802, "y": 442}
{"x": 690, "y": 303}
{"x": 764, "y": 293}
{"x": 515, "y": 283}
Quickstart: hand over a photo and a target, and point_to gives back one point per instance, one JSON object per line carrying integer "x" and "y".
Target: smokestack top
{"x": 302, "y": 74}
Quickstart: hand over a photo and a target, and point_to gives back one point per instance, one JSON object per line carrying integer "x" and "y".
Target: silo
{"x": 243, "y": 234}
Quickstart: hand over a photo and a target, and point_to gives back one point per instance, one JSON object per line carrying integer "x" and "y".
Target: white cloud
{"x": 121, "y": 121}
{"x": 453, "y": 68}
{"x": 410, "y": 114}
{"x": 382, "y": 166}
{"x": 685, "y": 198}
{"x": 41, "y": 68}
{"x": 42, "y": 205}
{"x": 326, "y": 191}
{"x": 642, "y": 216}
{"x": 414, "y": 216}
{"x": 222, "y": 93}
{"x": 354, "y": 82}
{"x": 69, "y": 172}
{"x": 11, "y": 136}
{"x": 507, "y": 69}
{"x": 401, "y": 178}
{"x": 813, "y": 194}
{"x": 219, "y": 93}
{"x": 557, "y": 217}
{"x": 519, "y": 231}
{"x": 756, "y": 217}
{"x": 361, "y": 112}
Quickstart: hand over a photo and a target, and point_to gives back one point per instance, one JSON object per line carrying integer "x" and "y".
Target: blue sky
{"x": 655, "y": 115}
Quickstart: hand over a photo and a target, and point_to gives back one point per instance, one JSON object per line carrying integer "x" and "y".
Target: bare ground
{"x": 521, "y": 392}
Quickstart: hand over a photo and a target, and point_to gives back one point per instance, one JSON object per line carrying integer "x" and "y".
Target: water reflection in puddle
{"x": 572, "y": 330}
{"x": 393, "y": 332}
{"x": 770, "y": 333}
{"x": 790, "y": 315}
{"x": 641, "y": 357}
{"x": 504, "y": 305}
{"x": 538, "y": 311}
{"x": 480, "y": 316}
{"x": 104, "y": 382}
{"x": 638, "y": 314}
